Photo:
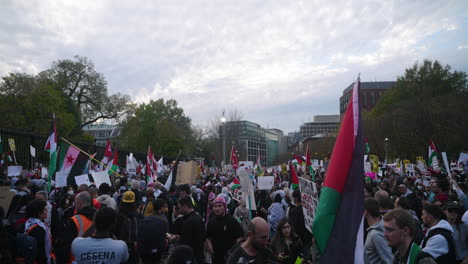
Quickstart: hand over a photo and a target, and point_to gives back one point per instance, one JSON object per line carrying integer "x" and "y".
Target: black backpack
{"x": 26, "y": 246}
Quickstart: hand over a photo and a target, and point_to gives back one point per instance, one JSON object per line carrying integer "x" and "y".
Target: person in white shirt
{"x": 100, "y": 248}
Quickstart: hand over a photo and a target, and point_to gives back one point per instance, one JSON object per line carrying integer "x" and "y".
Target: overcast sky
{"x": 278, "y": 62}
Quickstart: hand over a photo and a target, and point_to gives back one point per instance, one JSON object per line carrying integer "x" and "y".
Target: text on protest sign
{"x": 309, "y": 196}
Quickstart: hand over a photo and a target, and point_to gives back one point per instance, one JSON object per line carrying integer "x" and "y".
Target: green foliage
{"x": 161, "y": 125}
{"x": 71, "y": 89}
{"x": 28, "y": 104}
{"x": 428, "y": 102}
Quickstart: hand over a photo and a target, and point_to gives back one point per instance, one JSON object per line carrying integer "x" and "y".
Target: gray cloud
{"x": 278, "y": 62}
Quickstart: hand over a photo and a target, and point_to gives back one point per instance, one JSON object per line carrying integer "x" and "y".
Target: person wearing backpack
{"x": 36, "y": 213}
{"x": 127, "y": 225}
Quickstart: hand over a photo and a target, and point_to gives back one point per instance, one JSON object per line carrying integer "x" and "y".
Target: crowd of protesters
{"x": 407, "y": 220}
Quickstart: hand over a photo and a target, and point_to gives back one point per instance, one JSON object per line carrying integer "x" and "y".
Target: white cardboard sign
{"x": 82, "y": 179}
{"x": 309, "y": 196}
{"x": 14, "y": 171}
{"x": 265, "y": 182}
{"x": 101, "y": 177}
{"x": 61, "y": 179}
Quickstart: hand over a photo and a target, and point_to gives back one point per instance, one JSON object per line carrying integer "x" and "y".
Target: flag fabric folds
{"x": 338, "y": 223}
{"x": 259, "y": 167}
{"x": 115, "y": 162}
{"x": 309, "y": 167}
{"x": 149, "y": 164}
{"x": 234, "y": 161}
{"x": 51, "y": 147}
{"x": 293, "y": 177}
{"x": 107, "y": 154}
{"x": 67, "y": 157}
{"x": 433, "y": 160}
{"x": 367, "y": 147}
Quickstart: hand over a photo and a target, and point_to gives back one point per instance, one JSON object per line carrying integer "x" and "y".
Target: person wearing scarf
{"x": 36, "y": 213}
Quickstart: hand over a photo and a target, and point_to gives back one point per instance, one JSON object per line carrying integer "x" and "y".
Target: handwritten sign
{"x": 309, "y": 196}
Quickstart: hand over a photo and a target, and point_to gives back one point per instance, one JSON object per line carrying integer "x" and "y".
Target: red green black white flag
{"x": 338, "y": 223}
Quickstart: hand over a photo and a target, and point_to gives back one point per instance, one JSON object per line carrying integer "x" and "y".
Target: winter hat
{"x": 220, "y": 199}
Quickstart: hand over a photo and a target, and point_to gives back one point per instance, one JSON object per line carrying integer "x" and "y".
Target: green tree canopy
{"x": 72, "y": 89}
{"x": 428, "y": 102}
{"x": 161, "y": 125}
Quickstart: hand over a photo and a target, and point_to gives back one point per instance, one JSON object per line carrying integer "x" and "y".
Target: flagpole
{"x": 90, "y": 156}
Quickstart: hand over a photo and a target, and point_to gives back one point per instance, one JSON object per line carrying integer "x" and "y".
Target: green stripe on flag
{"x": 62, "y": 153}
{"x": 52, "y": 168}
{"x": 325, "y": 216}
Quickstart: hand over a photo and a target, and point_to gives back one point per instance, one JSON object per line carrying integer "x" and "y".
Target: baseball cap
{"x": 452, "y": 205}
{"x": 128, "y": 197}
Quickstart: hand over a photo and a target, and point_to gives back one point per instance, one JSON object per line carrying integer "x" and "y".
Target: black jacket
{"x": 70, "y": 232}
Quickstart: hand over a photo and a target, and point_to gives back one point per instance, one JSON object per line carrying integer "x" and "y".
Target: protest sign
{"x": 6, "y": 196}
{"x": 309, "y": 198}
{"x": 11, "y": 142}
{"x": 265, "y": 182}
{"x": 33, "y": 151}
{"x": 82, "y": 179}
{"x": 247, "y": 188}
{"x": 463, "y": 161}
{"x": 374, "y": 160}
{"x": 420, "y": 158}
{"x": 444, "y": 157}
{"x": 409, "y": 169}
{"x": 14, "y": 171}
{"x": 100, "y": 178}
{"x": 44, "y": 172}
{"x": 61, "y": 179}
{"x": 187, "y": 173}
{"x": 367, "y": 167}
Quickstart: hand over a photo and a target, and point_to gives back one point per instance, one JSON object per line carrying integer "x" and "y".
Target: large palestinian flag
{"x": 337, "y": 225}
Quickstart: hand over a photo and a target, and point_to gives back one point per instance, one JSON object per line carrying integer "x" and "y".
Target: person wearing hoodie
{"x": 376, "y": 250}
{"x": 105, "y": 198}
{"x": 438, "y": 241}
{"x": 275, "y": 213}
{"x": 76, "y": 226}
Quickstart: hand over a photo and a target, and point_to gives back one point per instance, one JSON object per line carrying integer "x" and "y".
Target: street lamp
{"x": 386, "y": 149}
{"x": 223, "y": 120}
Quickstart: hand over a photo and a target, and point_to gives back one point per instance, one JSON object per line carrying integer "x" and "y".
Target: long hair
{"x": 279, "y": 241}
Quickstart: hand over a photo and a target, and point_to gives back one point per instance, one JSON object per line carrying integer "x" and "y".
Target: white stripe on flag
{"x": 359, "y": 249}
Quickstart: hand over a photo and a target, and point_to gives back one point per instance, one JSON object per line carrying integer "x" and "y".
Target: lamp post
{"x": 386, "y": 149}
{"x": 223, "y": 121}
